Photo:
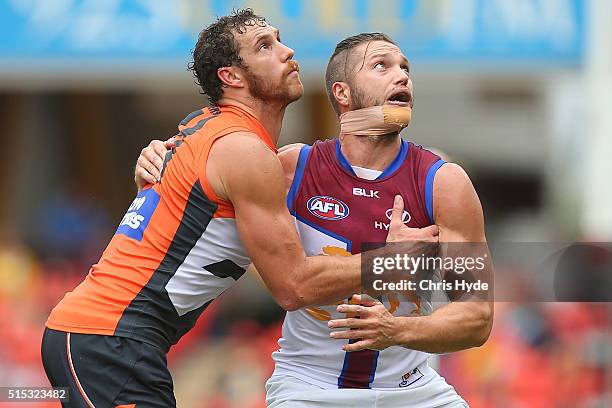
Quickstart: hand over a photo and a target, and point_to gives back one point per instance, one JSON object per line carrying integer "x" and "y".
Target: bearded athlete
{"x": 189, "y": 237}
{"x": 382, "y": 360}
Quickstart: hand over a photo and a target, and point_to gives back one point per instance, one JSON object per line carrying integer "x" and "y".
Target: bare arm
{"x": 464, "y": 323}
{"x": 242, "y": 170}
{"x": 256, "y": 188}
{"x": 456, "y": 326}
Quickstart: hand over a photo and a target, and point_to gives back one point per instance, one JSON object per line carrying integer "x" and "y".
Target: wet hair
{"x": 217, "y": 47}
{"x": 340, "y": 63}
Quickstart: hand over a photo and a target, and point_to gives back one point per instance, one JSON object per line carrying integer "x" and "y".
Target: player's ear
{"x": 231, "y": 76}
{"x": 342, "y": 93}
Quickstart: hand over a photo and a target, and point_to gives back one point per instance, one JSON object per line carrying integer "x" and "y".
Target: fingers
{"x": 352, "y": 309}
{"x": 358, "y": 310}
{"x": 350, "y": 323}
{"x": 351, "y": 334}
{"x": 398, "y": 211}
{"x": 150, "y": 163}
{"x": 145, "y": 166}
{"x": 155, "y": 153}
{"x": 429, "y": 234}
{"x": 431, "y": 230}
{"x": 363, "y": 300}
{"x": 170, "y": 143}
{"x": 142, "y": 177}
{"x": 358, "y": 346}
{"x": 399, "y": 232}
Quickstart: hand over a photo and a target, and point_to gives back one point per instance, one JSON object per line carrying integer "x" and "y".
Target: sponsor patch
{"x": 137, "y": 217}
{"x": 410, "y": 378}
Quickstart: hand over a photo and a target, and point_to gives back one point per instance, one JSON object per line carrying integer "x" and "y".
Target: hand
{"x": 398, "y": 232}
{"x": 372, "y": 324}
{"x": 151, "y": 161}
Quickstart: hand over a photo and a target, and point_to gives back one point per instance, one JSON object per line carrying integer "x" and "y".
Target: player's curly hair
{"x": 217, "y": 47}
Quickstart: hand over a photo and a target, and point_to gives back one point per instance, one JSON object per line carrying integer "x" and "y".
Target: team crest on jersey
{"x": 327, "y": 208}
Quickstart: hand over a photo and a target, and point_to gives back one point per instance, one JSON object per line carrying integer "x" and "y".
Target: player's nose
{"x": 401, "y": 76}
{"x": 287, "y": 53}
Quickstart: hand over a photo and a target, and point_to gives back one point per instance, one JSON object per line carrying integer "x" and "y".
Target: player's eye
{"x": 379, "y": 66}
{"x": 265, "y": 44}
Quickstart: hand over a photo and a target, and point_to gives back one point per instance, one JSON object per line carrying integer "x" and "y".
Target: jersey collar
{"x": 391, "y": 168}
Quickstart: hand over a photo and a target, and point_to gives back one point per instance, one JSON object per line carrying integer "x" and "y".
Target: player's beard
{"x": 264, "y": 89}
{"x": 360, "y": 100}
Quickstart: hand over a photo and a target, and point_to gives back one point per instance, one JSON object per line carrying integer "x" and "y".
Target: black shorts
{"x": 107, "y": 371}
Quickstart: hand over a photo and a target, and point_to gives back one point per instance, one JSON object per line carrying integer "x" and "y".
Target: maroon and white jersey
{"x": 336, "y": 212}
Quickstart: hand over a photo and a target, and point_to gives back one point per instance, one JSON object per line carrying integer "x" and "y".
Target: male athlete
{"x": 220, "y": 205}
{"x": 382, "y": 361}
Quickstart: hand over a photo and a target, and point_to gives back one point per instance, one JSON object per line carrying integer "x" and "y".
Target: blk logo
{"x": 362, "y": 192}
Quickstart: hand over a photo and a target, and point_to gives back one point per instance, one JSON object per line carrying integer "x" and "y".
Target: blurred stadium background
{"x": 519, "y": 92}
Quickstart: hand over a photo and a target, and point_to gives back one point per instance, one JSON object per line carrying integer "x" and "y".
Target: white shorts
{"x": 283, "y": 391}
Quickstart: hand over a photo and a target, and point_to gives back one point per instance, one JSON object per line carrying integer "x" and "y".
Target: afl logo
{"x": 327, "y": 208}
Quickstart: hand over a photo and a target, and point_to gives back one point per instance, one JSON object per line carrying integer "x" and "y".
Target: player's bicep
{"x": 460, "y": 220}
{"x": 457, "y": 208}
{"x": 254, "y": 183}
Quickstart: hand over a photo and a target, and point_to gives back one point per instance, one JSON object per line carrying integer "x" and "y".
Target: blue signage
{"x": 136, "y": 31}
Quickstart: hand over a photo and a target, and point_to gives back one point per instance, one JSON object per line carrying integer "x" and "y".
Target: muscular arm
{"x": 244, "y": 171}
{"x": 460, "y": 324}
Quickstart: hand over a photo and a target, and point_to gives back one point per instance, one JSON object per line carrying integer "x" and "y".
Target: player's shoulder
{"x": 242, "y": 143}
{"x": 243, "y": 161}
{"x": 454, "y": 190}
{"x": 289, "y": 156}
{"x": 451, "y": 174}
{"x": 212, "y": 121}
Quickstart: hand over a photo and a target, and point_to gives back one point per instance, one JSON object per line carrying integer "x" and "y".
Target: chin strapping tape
{"x": 375, "y": 120}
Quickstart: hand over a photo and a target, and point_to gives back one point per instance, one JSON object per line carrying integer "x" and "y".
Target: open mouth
{"x": 401, "y": 98}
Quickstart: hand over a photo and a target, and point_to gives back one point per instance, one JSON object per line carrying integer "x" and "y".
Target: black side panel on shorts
{"x": 106, "y": 371}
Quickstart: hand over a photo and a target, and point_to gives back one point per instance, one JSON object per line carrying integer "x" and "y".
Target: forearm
{"x": 453, "y": 327}
{"x": 325, "y": 279}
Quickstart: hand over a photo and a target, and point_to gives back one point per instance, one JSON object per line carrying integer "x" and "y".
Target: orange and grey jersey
{"x": 176, "y": 249}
